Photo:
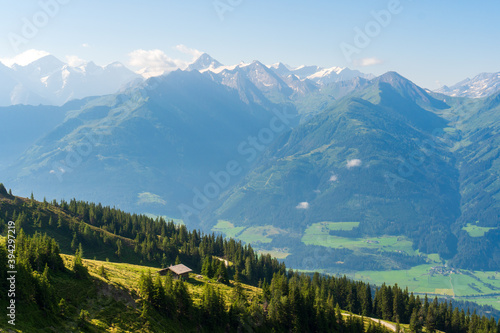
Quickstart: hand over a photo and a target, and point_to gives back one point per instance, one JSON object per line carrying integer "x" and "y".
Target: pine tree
{"x": 78, "y": 268}
{"x": 266, "y": 291}
{"x": 367, "y": 303}
{"x": 158, "y": 295}
{"x": 212, "y": 303}
{"x": 215, "y": 267}
{"x": 238, "y": 294}
{"x": 338, "y": 315}
{"x": 206, "y": 269}
{"x": 221, "y": 274}
{"x": 74, "y": 241}
{"x": 236, "y": 276}
{"x": 415, "y": 324}
{"x": 63, "y": 307}
{"x": 182, "y": 299}
{"x": 177, "y": 260}
{"x": 164, "y": 261}
{"x": 248, "y": 269}
{"x": 43, "y": 290}
{"x": 3, "y": 190}
{"x": 102, "y": 272}
{"x": 118, "y": 248}
{"x": 80, "y": 250}
{"x": 82, "y": 318}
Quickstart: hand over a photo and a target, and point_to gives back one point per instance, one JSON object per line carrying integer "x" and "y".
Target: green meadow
{"x": 480, "y": 287}
{"x": 319, "y": 234}
{"x": 476, "y": 231}
{"x": 251, "y": 235}
{"x": 431, "y": 278}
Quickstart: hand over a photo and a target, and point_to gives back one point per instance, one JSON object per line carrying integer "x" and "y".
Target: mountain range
{"x": 50, "y": 81}
{"x": 481, "y": 85}
{"x": 278, "y": 150}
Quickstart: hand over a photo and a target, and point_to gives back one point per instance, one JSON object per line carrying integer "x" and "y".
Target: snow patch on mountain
{"x": 482, "y": 85}
{"x": 48, "y": 80}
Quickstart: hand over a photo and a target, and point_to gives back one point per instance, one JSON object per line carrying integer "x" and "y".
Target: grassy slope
{"x": 112, "y": 302}
{"x": 318, "y": 234}
{"x": 476, "y": 231}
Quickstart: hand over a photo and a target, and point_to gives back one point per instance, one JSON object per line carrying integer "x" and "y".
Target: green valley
{"x": 433, "y": 277}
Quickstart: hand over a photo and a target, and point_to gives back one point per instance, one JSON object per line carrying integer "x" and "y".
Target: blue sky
{"x": 431, "y": 43}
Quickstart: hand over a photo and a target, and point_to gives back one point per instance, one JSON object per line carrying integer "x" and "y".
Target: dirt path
{"x": 387, "y": 325}
{"x": 271, "y": 176}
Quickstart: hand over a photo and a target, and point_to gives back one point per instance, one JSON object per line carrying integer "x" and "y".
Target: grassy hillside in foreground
{"x": 111, "y": 302}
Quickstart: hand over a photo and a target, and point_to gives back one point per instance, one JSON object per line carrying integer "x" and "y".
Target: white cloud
{"x": 74, "y": 61}
{"x": 154, "y": 62}
{"x": 334, "y": 178}
{"x": 25, "y": 58}
{"x": 61, "y": 170}
{"x": 193, "y": 52}
{"x": 365, "y": 62}
{"x": 303, "y": 205}
{"x": 353, "y": 163}
{"x": 85, "y": 45}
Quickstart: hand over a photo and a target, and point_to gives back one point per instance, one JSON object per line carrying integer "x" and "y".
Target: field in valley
{"x": 319, "y": 234}
{"x": 433, "y": 278}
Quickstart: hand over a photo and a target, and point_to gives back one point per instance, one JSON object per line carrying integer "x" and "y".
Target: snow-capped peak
{"x": 280, "y": 65}
{"x": 325, "y": 72}
{"x": 38, "y": 77}
{"x": 481, "y": 85}
{"x": 204, "y": 62}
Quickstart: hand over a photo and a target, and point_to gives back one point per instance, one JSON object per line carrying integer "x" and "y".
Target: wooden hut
{"x": 178, "y": 271}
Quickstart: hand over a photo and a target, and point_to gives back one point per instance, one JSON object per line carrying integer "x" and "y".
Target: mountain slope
{"x": 264, "y": 79}
{"x": 352, "y": 163}
{"x": 167, "y": 134}
{"x": 479, "y": 164}
{"x": 23, "y": 125}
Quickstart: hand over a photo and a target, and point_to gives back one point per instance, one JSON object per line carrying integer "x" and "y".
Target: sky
{"x": 431, "y": 43}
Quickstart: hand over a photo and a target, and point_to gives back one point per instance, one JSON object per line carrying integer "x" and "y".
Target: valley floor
{"x": 433, "y": 278}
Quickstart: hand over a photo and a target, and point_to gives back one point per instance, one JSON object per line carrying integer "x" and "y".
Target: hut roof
{"x": 179, "y": 269}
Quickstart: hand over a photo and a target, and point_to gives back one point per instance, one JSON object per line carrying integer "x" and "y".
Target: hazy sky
{"x": 430, "y": 42}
